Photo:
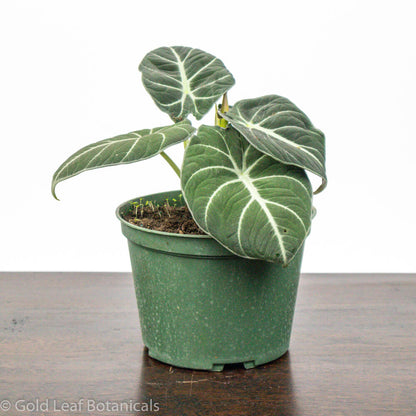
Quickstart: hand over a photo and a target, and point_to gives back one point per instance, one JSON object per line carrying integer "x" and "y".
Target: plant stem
{"x": 217, "y": 117}
{"x": 172, "y": 164}
{"x": 219, "y": 121}
{"x": 224, "y": 106}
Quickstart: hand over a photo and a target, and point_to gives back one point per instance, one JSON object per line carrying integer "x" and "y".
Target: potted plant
{"x": 227, "y": 293}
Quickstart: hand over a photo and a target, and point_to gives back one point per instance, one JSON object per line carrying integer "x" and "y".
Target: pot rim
{"x": 147, "y": 230}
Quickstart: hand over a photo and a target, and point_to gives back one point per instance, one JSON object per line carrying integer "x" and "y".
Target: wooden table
{"x": 66, "y": 337}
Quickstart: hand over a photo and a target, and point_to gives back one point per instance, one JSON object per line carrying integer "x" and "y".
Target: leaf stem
{"x": 224, "y": 106}
{"x": 219, "y": 121}
{"x": 172, "y": 164}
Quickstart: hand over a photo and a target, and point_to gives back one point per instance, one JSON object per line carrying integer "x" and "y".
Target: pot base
{"x": 211, "y": 366}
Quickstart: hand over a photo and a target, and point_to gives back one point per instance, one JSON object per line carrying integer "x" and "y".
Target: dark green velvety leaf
{"x": 126, "y": 148}
{"x": 252, "y": 204}
{"x": 276, "y": 127}
{"x": 184, "y": 80}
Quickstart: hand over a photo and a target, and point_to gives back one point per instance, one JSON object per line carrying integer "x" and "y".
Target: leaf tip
{"x": 321, "y": 187}
{"x": 53, "y": 187}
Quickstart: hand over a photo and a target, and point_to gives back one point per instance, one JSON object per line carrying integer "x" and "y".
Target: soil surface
{"x": 165, "y": 218}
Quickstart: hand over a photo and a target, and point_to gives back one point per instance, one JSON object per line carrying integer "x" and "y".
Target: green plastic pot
{"x": 202, "y": 307}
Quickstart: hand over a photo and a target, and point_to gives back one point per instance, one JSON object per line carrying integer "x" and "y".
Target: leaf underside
{"x": 253, "y": 205}
{"x": 126, "y": 148}
{"x": 184, "y": 80}
{"x": 276, "y": 127}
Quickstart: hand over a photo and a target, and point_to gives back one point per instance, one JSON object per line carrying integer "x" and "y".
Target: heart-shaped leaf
{"x": 184, "y": 80}
{"x": 252, "y": 204}
{"x": 126, "y": 148}
{"x": 276, "y": 127}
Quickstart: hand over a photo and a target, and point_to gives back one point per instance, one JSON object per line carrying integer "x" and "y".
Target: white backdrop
{"x": 69, "y": 77}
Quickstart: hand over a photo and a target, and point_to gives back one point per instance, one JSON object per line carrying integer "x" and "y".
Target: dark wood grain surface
{"x": 66, "y": 337}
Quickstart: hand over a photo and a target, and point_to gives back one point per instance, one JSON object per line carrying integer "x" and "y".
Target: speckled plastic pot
{"x": 202, "y": 307}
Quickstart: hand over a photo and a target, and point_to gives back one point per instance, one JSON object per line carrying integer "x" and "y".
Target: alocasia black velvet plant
{"x": 243, "y": 179}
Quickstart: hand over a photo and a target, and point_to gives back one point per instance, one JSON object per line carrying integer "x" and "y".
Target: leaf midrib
{"x": 247, "y": 181}
{"x": 105, "y": 145}
{"x": 270, "y": 132}
{"x": 254, "y": 194}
